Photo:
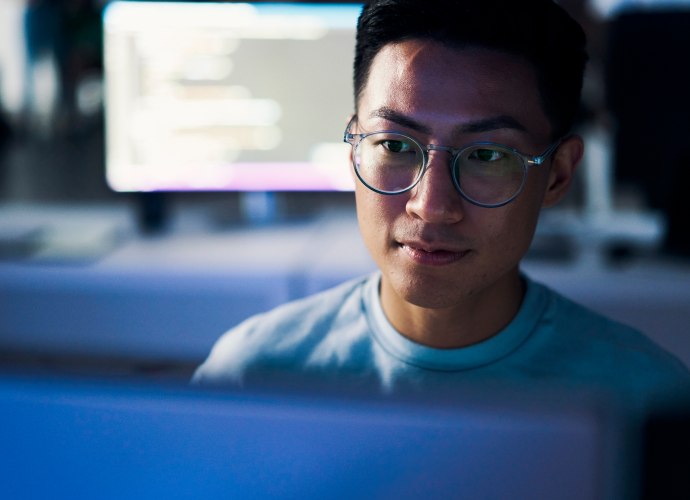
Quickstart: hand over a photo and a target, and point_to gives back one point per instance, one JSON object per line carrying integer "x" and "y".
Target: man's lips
{"x": 430, "y": 254}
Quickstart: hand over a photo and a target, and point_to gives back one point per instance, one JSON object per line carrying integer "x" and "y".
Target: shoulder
{"x": 286, "y": 335}
{"x": 606, "y": 349}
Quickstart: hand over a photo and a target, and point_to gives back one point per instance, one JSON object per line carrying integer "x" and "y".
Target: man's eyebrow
{"x": 396, "y": 117}
{"x": 475, "y": 127}
{"x": 489, "y": 124}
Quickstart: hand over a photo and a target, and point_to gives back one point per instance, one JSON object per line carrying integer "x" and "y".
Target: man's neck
{"x": 471, "y": 321}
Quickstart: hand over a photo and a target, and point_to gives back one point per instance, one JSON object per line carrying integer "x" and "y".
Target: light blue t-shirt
{"x": 343, "y": 333}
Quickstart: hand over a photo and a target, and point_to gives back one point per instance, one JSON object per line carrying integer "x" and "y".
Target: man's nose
{"x": 435, "y": 199}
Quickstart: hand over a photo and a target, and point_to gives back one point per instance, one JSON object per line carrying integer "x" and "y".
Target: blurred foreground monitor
{"x": 86, "y": 440}
{"x": 228, "y": 97}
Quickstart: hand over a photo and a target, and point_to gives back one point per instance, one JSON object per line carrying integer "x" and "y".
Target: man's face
{"x": 433, "y": 247}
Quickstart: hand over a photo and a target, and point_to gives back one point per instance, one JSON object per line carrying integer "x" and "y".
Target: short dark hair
{"x": 538, "y": 30}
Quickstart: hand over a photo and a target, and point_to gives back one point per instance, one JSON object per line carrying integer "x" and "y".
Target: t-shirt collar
{"x": 465, "y": 358}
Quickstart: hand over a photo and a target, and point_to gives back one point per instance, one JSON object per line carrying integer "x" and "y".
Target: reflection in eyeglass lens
{"x": 489, "y": 175}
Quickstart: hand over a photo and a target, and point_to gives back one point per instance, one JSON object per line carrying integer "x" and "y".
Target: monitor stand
{"x": 153, "y": 211}
{"x": 258, "y": 207}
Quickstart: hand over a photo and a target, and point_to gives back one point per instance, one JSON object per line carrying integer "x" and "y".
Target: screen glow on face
{"x": 473, "y": 248}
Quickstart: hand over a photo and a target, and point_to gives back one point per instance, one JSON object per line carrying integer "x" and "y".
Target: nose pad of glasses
{"x": 442, "y": 162}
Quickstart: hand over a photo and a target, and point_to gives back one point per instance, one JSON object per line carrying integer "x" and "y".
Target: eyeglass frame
{"x": 527, "y": 161}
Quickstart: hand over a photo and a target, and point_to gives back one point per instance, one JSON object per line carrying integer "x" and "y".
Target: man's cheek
{"x": 512, "y": 240}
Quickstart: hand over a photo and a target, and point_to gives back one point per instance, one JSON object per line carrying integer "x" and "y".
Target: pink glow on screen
{"x": 270, "y": 176}
{"x": 218, "y": 96}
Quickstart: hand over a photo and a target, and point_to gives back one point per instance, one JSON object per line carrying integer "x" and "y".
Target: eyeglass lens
{"x": 388, "y": 162}
{"x": 392, "y": 163}
{"x": 489, "y": 175}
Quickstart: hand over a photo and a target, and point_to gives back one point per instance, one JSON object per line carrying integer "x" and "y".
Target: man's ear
{"x": 565, "y": 160}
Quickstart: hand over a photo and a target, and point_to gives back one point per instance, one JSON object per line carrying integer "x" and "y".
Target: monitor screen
{"x": 228, "y": 96}
{"x": 72, "y": 439}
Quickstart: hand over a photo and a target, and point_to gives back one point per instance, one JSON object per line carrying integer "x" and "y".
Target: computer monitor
{"x": 228, "y": 96}
{"x": 63, "y": 439}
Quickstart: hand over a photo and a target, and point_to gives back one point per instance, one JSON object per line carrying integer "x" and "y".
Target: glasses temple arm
{"x": 349, "y": 138}
{"x": 538, "y": 160}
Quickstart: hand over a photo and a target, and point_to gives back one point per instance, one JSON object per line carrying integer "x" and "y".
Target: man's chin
{"x": 429, "y": 292}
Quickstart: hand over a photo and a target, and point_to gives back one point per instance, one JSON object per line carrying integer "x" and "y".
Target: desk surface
{"x": 170, "y": 297}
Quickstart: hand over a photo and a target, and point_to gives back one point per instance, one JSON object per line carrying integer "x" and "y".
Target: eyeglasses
{"x": 486, "y": 174}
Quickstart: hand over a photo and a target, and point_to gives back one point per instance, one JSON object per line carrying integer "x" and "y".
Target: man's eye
{"x": 487, "y": 155}
{"x": 397, "y": 146}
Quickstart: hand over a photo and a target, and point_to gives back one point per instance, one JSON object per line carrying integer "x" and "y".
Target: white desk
{"x": 171, "y": 297}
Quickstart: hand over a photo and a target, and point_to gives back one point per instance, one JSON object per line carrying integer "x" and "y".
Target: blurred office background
{"x": 142, "y": 283}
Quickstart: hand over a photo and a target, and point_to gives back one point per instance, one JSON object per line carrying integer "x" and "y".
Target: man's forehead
{"x": 451, "y": 67}
{"x": 478, "y": 89}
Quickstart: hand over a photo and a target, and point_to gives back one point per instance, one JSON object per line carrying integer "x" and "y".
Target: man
{"x": 460, "y": 137}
